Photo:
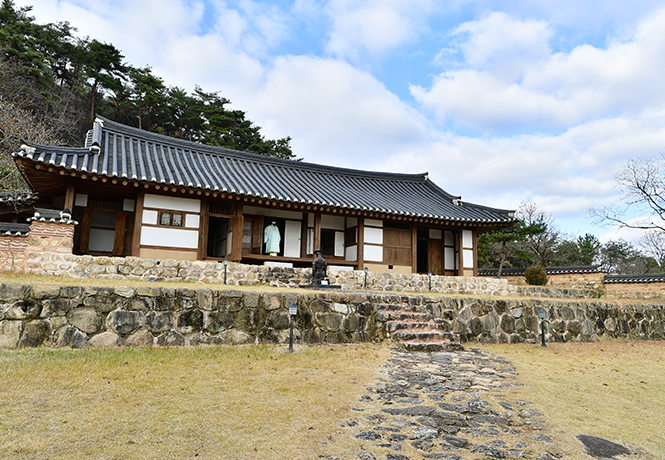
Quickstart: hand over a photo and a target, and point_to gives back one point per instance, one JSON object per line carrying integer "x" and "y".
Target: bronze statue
{"x": 319, "y": 268}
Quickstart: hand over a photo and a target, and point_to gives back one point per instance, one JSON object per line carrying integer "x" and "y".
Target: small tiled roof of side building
{"x": 118, "y": 151}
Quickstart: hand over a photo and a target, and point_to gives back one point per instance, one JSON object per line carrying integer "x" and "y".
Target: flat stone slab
{"x": 602, "y": 448}
{"x": 445, "y": 405}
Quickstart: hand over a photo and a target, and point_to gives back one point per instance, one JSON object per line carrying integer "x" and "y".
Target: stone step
{"x": 402, "y": 316}
{"x": 405, "y": 335}
{"x": 392, "y": 326}
{"x": 432, "y": 346}
{"x": 423, "y": 336}
{"x": 395, "y": 307}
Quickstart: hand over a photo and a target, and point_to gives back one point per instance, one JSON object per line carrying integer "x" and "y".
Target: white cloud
{"x": 524, "y": 86}
{"x": 361, "y": 28}
{"x": 335, "y": 113}
{"x": 564, "y": 174}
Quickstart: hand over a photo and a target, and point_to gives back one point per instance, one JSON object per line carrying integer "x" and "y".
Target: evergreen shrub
{"x": 536, "y": 276}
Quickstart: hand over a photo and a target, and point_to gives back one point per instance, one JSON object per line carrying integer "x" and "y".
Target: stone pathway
{"x": 448, "y": 405}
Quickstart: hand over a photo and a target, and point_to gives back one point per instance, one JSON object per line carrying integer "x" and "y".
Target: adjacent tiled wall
{"x": 40, "y": 251}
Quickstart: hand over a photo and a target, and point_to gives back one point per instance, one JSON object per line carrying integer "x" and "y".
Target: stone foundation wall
{"x": 569, "y": 280}
{"x": 69, "y": 316}
{"x": 645, "y": 291}
{"x": 134, "y": 268}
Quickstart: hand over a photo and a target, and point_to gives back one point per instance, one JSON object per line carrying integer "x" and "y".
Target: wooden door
{"x": 435, "y": 256}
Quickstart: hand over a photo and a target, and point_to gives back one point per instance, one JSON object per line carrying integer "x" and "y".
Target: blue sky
{"x": 500, "y": 101}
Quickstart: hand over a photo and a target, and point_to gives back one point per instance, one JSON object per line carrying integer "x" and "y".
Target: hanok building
{"x": 142, "y": 194}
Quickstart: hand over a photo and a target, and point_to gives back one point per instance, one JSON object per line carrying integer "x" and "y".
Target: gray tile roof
{"x": 118, "y": 151}
{"x": 648, "y": 278}
{"x": 52, "y": 215}
{"x": 18, "y": 198}
{"x": 9, "y": 229}
{"x": 577, "y": 269}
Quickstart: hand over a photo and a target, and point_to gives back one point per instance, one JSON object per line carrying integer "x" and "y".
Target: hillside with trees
{"x": 53, "y": 83}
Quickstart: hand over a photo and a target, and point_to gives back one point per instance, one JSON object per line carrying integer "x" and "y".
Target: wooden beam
{"x": 317, "y": 231}
{"x": 69, "y": 196}
{"x": 361, "y": 243}
{"x": 414, "y": 248}
{"x": 204, "y": 224}
{"x": 236, "y": 244}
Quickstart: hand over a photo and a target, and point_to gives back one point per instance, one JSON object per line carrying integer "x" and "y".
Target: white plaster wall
{"x": 172, "y": 203}
{"x": 467, "y": 239}
{"x": 149, "y": 217}
{"x": 373, "y": 235}
{"x": 373, "y": 253}
{"x": 169, "y": 237}
{"x": 352, "y": 253}
{"x": 272, "y": 212}
{"x": 332, "y": 222}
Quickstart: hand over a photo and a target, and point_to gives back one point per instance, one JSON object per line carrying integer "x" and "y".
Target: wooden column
{"x": 85, "y": 230}
{"x": 202, "y": 250}
{"x": 69, "y": 197}
{"x": 236, "y": 244}
{"x": 303, "y": 235}
{"x": 317, "y": 231}
{"x": 361, "y": 243}
{"x": 414, "y": 248}
{"x": 460, "y": 254}
{"x": 475, "y": 254}
{"x": 138, "y": 219}
{"x": 120, "y": 227}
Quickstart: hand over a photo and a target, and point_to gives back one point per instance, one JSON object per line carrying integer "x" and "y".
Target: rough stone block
{"x": 69, "y": 336}
{"x": 171, "y": 339}
{"x": 329, "y": 321}
{"x": 124, "y": 322}
{"x": 190, "y": 321}
{"x": 157, "y": 321}
{"x": 10, "y": 333}
{"x": 219, "y": 321}
{"x": 35, "y": 333}
{"x": 141, "y": 338}
{"x": 234, "y": 336}
{"x": 87, "y": 319}
{"x": 106, "y": 340}
{"x": 22, "y": 310}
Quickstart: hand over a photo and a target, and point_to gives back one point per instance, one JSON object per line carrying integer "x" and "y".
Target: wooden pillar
{"x": 85, "y": 230}
{"x": 460, "y": 254}
{"x": 119, "y": 239}
{"x": 317, "y": 231}
{"x": 303, "y": 235}
{"x": 236, "y": 244}
{"x": 202, "y": 250}
{"x": 475, "y": 253}
{"x": 414, "y": 248}
{"x": 69, "y": 197}
{"x": 136, "y": 231}
{"x": 361, "y": 243}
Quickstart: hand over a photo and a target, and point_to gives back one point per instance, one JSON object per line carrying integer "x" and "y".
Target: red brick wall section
{"x": 13, "y": 254}
{"x": 41, "y": 252}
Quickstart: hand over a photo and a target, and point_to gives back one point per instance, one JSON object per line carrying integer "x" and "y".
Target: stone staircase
{"x": 415, "y": 329}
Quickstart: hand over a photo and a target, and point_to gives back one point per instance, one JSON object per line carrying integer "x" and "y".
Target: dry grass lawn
{"x": 242, "y": 402}
{"x": 614, "y": 390}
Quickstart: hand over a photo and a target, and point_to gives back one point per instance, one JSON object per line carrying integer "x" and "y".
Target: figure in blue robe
{"x": 272, "y": 238}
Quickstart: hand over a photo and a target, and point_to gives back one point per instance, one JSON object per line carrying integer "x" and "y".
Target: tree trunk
{"x": 503, "y": 259}
{"x": 92, "y": 103}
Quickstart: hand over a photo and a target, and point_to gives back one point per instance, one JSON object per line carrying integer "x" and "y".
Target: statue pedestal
{"x": 323, "y": 287}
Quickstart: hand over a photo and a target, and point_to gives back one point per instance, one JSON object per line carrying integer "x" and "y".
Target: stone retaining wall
{"x": 134, "y": 268}
{"x": 69, "y": 316}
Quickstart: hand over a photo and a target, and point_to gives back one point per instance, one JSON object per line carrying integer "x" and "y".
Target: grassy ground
{"x": 613, "y": 390}
{"x": 223, "y": 402}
